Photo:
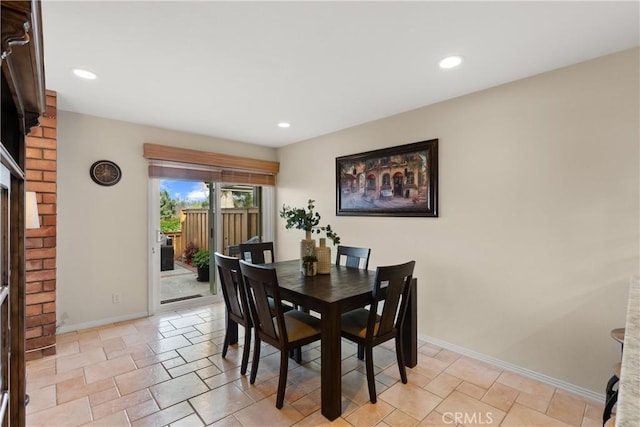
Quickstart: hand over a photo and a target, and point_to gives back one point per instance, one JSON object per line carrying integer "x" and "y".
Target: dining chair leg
{"x": 610, "y": 385}
{"x": 371, "y": 381}
{"x": 360, "y": 352}
{"x": 282, "y": 382}
{"x": 225, "y": 346}
{"x": 400, "y": 357}
{"x": 245, "y": 351}
{"x": 611, "y": 398}
{"x": 256, "y": 358}
{"x": 608, "y": 407}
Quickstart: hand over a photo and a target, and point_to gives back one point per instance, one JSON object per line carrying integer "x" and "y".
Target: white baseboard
{"x": 62, "y": 329}
{"x": 554, "y": 382}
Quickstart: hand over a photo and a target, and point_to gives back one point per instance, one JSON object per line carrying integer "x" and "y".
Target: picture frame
{"x": 400, "y": 181}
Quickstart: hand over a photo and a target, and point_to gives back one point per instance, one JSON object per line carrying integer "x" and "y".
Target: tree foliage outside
{"x": 192, "y": 204}
{"x": 242, "y": 199}
{"x": 167, "y": 206}
{"x": 168, "y": 225}
{"x": 169, "y": 220}
{"x": 170, "y": 208}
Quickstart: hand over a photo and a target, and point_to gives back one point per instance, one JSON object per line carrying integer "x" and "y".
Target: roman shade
{"x": 187, "y": 164}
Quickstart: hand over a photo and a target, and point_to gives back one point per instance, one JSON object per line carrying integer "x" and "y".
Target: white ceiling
{"x": 235, "y": 69}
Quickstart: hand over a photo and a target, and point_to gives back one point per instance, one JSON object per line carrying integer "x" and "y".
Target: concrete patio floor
{"x": 180, "y": 283}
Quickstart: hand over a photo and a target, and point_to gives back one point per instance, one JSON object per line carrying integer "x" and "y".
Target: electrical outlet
{"x": 116, "y": 298}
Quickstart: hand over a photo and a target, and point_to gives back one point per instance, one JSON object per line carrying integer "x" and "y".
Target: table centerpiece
{"x": 308, "y": 220}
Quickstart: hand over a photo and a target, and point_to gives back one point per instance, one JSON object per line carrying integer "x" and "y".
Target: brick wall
{"x": 41, "y": 167}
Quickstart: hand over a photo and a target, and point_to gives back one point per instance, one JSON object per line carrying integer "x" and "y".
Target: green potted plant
{"x": 307, "y": 220}
{"x": 201, "y": 260}
{"x": 310, "y": 265}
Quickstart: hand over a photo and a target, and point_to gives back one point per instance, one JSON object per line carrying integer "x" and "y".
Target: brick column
{"x": 41, "y": 167}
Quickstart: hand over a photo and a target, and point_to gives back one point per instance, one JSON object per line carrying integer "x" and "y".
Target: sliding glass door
{"x": 189, "y": 221}
{"x": 186, "y": 224}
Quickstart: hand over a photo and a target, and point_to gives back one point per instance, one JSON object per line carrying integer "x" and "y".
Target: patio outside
{"x": 186, "y": 229}
{"x": 181, "y": 283}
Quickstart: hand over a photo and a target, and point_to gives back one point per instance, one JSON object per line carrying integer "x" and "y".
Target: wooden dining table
{"x": 330, "y": 295}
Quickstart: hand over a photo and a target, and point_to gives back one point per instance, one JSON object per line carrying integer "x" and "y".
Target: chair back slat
{"x": 260, "y": 284}
{"x": 397, "y": 280}
{"x": 233, "y": 290}
{"x": 257, "y": 253}
{"x": 354, "y": 256}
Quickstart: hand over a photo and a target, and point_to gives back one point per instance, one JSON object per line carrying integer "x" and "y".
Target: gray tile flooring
{"x": 167, "y": 370}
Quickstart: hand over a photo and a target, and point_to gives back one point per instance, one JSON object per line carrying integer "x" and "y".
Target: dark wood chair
{"x": 255, "y": 252}
{"x": 355, "y": 256}
{"x": 284, "y": 330}
{"x": 367, "y": 328}
{"x": 233, "y": 291}
{"x": 611, "y": 393}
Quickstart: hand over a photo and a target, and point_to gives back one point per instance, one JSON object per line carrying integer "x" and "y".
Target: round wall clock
{"x": 105, "y": 172}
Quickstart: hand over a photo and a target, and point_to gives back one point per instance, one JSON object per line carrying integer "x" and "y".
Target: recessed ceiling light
{"x": 84, "y": 74}
{"x": 284, "y": 124}
{"x": 450, "y": 62}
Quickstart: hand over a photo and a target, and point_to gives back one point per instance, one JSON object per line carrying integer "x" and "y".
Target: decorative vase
{"x": 307, "y": 247}
{"x": 323, "y": 252}
{"x": 310, "y": 268}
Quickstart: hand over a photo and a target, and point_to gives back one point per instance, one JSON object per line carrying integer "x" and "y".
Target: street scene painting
{"x": 396, "y": 181}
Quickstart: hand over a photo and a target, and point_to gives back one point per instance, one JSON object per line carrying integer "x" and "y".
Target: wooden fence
{"x": 238, "y": 225}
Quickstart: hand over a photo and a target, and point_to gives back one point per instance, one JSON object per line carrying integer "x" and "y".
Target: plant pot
{"x": 310, "y": 268}
{"x": 203, "y": 274}
{"x": 307, "y": 247}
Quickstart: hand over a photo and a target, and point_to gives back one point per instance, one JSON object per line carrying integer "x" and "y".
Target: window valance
{"x": 208, "y": 166}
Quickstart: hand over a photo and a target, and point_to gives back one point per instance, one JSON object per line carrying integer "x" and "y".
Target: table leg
{"x": 410, "y": 328}
{"x": 330, "y": 366}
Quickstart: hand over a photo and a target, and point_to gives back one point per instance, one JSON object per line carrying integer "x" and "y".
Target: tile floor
{"x": 167, "y": 370}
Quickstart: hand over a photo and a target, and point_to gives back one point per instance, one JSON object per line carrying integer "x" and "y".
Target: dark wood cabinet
{"x": 23, "y": 101}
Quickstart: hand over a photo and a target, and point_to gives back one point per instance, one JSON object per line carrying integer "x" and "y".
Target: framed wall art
{"x": 396, "y": 181}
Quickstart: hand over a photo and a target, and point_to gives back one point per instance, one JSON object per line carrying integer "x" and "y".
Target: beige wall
{"x": 103, "y": 231}
{"x": 530, "y": 259}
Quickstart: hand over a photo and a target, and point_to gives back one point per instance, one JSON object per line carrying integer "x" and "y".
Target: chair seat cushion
{"x": 354, "y": 322}
{"x": 300, "y": 325}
